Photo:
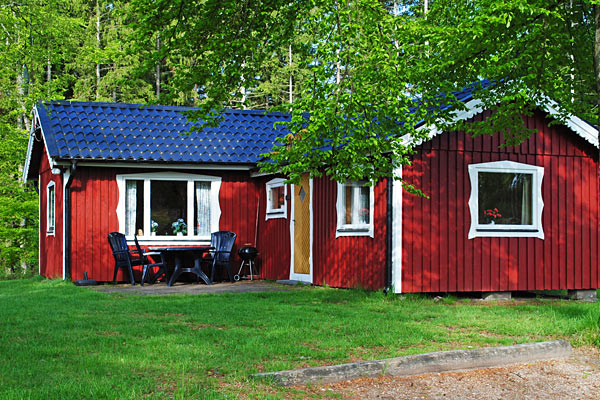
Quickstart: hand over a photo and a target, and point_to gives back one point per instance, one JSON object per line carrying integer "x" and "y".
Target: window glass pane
{"x": 277, "y": 198}
{"x": 168, "y": 206}
{"x": 505, "y": 198}
{"x": 348, "y": 204}
{"x": 134, "y": 207}
{"x": 50, "y": 210}
{"x": 364, "y": 211}
{"x": 202, "y": 208}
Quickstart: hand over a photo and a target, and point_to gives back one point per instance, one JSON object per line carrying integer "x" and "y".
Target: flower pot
{"x": 179, "y": 233}
{"x": 152, "y": 233}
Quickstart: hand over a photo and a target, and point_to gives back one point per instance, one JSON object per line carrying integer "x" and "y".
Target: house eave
{"x": 155, "y": 165}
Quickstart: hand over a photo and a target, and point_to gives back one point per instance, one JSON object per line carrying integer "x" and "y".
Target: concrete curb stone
{"x": 419, "y": 364}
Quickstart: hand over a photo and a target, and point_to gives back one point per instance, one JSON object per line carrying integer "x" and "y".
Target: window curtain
{"x": 130, "y": 206}
{"x": 363, "y": 212}
{"x": 526, "y": 201}
{"x": 202, "y": 190}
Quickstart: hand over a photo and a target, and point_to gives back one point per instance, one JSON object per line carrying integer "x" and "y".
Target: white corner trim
{"x": 270, "y": 213}
{"x": 480, "y": 230}
{"x": 397, "y": 193}
{"x": 215, "y": 213}
{"x": 66, "y": 177}
{"x": 354, "y": 229}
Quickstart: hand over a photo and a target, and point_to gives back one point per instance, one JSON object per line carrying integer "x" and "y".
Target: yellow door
{"x": 302, "y": 247}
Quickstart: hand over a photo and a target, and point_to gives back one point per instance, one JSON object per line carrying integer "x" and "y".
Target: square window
{"x": 355, "y": 209}
{"x": 276, "y": 199}
{"x": 506, "y": 200}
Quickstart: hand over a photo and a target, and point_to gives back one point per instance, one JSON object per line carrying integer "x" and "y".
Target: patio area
{"x": 161, "y": 288}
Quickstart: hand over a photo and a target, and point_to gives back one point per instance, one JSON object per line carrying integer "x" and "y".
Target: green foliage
{"x": 374, "y": 71}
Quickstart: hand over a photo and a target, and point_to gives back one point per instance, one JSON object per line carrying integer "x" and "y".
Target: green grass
{"x": 62, "y": 341}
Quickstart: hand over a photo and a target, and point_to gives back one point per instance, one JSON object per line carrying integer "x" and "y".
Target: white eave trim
{"x": 475, "y": 106}
{"x": 158, "y": 165}
{"x": 35, "y": 123}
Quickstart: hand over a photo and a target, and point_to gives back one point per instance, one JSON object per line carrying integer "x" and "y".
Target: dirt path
{"x": 576, "y": 378}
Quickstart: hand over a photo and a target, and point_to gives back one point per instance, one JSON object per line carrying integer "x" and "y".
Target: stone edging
{"x": 418, "y": 364}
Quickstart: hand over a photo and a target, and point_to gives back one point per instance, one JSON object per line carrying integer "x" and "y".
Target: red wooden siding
{"x": 438, "y": 256}
{"x": 51, "y": 254}
{"x": 273, "y": 238}
{"x": 94, "y": 205}
{"x": 348, "y": 261}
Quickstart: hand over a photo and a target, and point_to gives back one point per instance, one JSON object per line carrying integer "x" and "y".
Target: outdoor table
{"x": 177, "y": 253}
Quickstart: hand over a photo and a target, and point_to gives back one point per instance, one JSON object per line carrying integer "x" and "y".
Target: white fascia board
{"x": 35, "y": 123}
{"x": 158, "y": 165}
{"x": 576, "y": 124}
{"x": 475, "y": 106}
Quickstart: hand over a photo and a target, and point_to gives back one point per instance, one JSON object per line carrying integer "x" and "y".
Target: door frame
{"x": 308, "y": 278}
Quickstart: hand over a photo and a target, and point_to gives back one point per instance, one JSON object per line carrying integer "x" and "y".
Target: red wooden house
{"x": 497, "y": 219}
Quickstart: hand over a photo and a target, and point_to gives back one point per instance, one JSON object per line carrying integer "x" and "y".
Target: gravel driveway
{"x": 575, "y": 378}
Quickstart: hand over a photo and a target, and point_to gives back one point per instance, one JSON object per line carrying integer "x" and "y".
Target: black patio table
{"x": 177, "y": 253}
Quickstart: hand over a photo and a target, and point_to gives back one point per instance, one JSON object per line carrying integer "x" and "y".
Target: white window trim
{"x": 483, "y": 230}
{"x": 353, "y": 229}
{"x": 170, "y": 176}
{"x": 50, "y": 218}
{"x": 276, "y": 213}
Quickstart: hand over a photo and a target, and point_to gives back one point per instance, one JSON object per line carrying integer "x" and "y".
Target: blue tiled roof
{"x": 132, "y": 132}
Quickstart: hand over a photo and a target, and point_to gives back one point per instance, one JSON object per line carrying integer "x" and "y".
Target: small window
{"x": 354, "y": 209}
{"x": 506, "y": 200}
{"x": 276, "y": 199}
{"x": 50, "y": 208}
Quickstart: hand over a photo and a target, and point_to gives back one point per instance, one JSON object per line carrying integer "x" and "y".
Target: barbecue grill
{"x": 247, "y": 254}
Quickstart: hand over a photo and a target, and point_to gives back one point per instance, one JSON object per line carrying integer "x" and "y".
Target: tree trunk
{"x": 158, "y": 70}
{"x": 98, "y": 47}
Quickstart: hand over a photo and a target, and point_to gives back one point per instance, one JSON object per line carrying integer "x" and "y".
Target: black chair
{"x": 223, "y": 242}
{"x": 126, "y": 258}
{"x": 162, "y": 270}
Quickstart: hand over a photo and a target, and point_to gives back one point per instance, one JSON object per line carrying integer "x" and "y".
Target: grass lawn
{"x": 59, "y": 341}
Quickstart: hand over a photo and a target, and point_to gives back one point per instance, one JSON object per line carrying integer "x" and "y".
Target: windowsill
{"x": 276, "y": 214}
{"x": 506, "y": 230}
{"x": 351, "y": 229}
{"x": 507, "y": 233}
{"x": 354, "y": 231}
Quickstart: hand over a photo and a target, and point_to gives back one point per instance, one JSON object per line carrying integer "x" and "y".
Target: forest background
{"x": 354, "y": 67}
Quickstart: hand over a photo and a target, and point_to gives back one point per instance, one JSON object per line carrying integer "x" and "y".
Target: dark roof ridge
{"x": 46, "y": 103}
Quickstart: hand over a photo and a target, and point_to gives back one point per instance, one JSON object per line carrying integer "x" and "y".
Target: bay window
{"x": 506, "y": 200}
{"x": 168, "y": 206}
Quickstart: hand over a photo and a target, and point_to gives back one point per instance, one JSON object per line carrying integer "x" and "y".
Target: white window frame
{"x": 343, "y": 229}
{"x": 50, "y": 209}
{"x": 215, "y": 207}
{"x": 499, "y": 230}
{"x": 279, "y": 212}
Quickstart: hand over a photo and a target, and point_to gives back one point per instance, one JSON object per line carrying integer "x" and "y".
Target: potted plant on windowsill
{"x": 179, "y": 227}
{"x": 153, "y": 227}
{"x": 491, "y": 214}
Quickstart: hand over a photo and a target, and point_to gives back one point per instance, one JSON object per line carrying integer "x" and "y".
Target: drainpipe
{"x": 68, "y": 221}
{"x": 388, "y": 235}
